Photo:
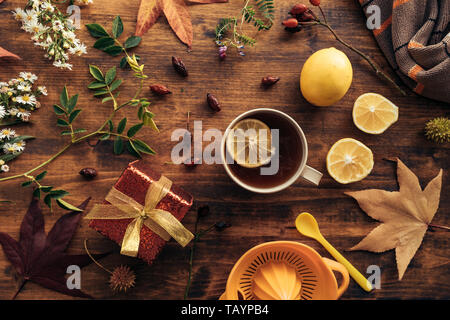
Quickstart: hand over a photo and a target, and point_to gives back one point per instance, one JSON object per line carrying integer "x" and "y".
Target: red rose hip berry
{"x": 290, "y": 23}
{"x": 298, "y": 9}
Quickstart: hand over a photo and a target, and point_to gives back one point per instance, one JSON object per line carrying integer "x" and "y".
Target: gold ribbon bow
{"x": 161, "y": 222}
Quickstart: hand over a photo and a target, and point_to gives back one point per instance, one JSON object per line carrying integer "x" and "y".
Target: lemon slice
{"x": 349, "y": 161}
{"x": 373, "y": 113}
{"x": 249, "y": 142}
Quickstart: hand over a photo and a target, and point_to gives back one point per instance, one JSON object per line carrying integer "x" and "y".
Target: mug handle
{"x": 312, "y": 175}
{"x": 336, "y": 266}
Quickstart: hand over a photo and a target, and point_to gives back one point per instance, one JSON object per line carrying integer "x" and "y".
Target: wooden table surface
{"x": 236, "y": 83}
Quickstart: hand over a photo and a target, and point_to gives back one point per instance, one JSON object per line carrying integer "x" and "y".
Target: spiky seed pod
{"x": 122, "y": 279}
{"x": 438, "y": 130}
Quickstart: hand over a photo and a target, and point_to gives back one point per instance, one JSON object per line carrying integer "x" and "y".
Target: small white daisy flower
{"x": 24, "y": 87}
{"x": 35, "y": 4}
{"x": 30, "y": 15}
{"x": 62, "y": 65}
{"x": 9, "y": 148}
{"x": 19, "y": 146}
{"x": 12, "y": 112}
{"x": 33, "y": 27}
{"x": 23, "y": 114}
{"x": 4, "y": 168}
{"x": 7, "y": 133}
{"x": 42, "y": 90}
{"x": 19, "y": 14}
{"x": 70, "y": 35}
{"x": 57, "y": 25}
{"x": 78, "y": 49}
{"x": 27, "y": 99}
{"x": 47, "y": 6}
{"x": 28, "y": 76}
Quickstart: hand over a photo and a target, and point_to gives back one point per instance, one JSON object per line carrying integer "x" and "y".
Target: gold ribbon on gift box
{"x": 161, "y": 222}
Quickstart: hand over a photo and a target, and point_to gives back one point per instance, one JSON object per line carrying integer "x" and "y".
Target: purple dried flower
{"x": 223, "y": 52}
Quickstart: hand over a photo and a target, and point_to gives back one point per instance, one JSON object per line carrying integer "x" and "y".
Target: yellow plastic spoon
{"x": 307, "y": 226}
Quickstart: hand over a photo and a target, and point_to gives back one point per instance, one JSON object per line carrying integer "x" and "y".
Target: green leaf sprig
{"x": 105, "y": 85}
{"x": 67, "y": 112}
{"x": 110, "y": 44}
{"x": 49, "y": 191}
{"x": 229, "y": 32}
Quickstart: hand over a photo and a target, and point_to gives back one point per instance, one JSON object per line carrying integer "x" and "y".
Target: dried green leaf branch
{"x": 197, "y": 237}
{"x": 229, "y": 31}
{"x": 201, "y": 212}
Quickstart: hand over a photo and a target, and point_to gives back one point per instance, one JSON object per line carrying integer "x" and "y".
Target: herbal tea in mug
{"x": 265, "y": 151}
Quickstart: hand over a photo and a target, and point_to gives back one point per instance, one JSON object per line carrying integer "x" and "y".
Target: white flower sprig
{"x": 18, "y": 98}
{"x": 83, "y": 2}
{"x": 52, "y": 30}
{"x": 11, "y": 146}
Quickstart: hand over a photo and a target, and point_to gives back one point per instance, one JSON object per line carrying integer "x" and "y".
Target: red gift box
{"x": 134, "y": 182}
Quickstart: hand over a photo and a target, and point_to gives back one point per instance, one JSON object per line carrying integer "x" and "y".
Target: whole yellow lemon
{"x": 326, "y": 77}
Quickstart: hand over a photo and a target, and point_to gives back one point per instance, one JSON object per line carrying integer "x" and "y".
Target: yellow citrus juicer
{"x": 284, "y": 270}
{"x": 307, "y": 226}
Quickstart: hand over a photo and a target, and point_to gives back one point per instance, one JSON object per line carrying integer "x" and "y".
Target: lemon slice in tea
{"x": 249, "y": 142}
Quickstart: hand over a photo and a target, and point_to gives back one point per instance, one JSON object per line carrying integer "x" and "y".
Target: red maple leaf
{"x": 41, "y": 258}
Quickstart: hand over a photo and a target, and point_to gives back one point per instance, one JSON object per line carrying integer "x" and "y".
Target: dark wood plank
{"x": 255, "y": 218}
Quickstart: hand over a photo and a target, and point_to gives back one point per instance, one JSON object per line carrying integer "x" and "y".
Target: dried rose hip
{"x": 298, "y": 9}
{"x": 159, "y": 89}
{"x": 269, "y": 80}
{"x": 315, "y": 2}
{"x": 213, "y": 102}
{"x": 88, "y": 173}
{"x": 290, "y": 23}
{"x": 305, "y": 17}
{"x": 179, "y": 66}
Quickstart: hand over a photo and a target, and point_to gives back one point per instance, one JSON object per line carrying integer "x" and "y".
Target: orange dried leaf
{"x": 179, "y": 19}
{"x": 405, "y": 215}
{"x": 176, "y": 13}
{"x": 6, "y": 53}
{"x": 149, "y": 12}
